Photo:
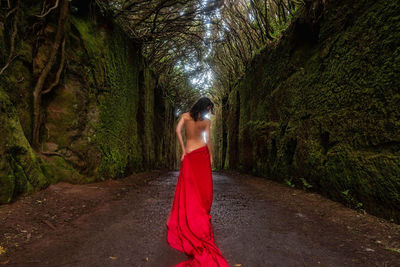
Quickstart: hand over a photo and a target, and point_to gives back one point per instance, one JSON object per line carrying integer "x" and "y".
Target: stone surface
{"x": 106, "y": 118}
{"x": 321, "y": 108}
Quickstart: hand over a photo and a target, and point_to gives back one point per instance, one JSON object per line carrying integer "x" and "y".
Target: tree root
{"x": 11, "y": 56}
{"x": 60, "y": 69}
{"x": 48, "y": 11}
{"x": 37, "y": 93}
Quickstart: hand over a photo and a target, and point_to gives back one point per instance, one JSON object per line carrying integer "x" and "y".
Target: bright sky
{"x": 202, "y": 80}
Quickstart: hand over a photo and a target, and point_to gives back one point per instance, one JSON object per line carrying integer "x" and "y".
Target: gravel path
{"x": 256, "y": 222}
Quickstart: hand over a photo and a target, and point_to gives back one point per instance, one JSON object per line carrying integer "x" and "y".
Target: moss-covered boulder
{"x": 20, "y": 167}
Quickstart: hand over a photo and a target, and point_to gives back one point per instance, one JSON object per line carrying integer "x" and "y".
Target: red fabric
{"x": 189, "y": 221}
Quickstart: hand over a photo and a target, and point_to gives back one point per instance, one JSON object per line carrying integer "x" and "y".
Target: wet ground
{"x": 256, "y": 222}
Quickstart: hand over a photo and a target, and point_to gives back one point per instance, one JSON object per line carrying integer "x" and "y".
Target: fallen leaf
{"x": 5, "y": 262}
{"x": 2, "y": 250}
{"x": 49, "y": 224}
{"x": 147, "y": 258}
{"x": 113, "y": 258}
{"x": 390, "y": 249}
{"x": 238, "y": 264}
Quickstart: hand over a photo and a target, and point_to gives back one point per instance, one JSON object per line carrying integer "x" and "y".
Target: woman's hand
{"x": 183, "y": 154}
{"x": 178, "y": 133}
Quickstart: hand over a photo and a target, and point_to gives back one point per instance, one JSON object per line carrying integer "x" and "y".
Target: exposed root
{"x": 37, "y": 93}
{"x": 11, "y": 56}
{"x": 60, "y": 69}
{"x": 8, "y": 64}
{"x": 48, "y": 11}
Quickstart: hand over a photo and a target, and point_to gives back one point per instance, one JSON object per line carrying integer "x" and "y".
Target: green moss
{"x": 93, "y": 42}
{"x": 2, "y": 46}
{"x": 99, "y": 120}
{"x": 7, "y": 182}
{"x": 60, "y": 170}
{"x": 148, "y": 118}
{"x": 117, "y": 129}
{"x": 371, "y": 177}
{"x": 20, "y": 170}
{"x": 326, "y": 112}
{"x": 262, "y": 128}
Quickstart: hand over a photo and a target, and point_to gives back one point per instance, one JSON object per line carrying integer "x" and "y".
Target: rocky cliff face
{"x": 321, "y": 108}
{"x": 105, "y": 119}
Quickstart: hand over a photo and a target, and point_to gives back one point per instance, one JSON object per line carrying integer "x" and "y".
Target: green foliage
{"x": 350, "y": 200}
{"x": 306, "y": 185}
{"x": 278, "y": 26}
{"x": 396, "y": 250}
{"x": 289, "y": 183}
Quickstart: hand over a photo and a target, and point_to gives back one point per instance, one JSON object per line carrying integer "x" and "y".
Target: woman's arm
{"x": 178, "y": 133}
{"x": 208, "y": 138}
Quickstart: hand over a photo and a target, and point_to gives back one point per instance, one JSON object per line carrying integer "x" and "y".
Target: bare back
{"x": 194, "y": 132}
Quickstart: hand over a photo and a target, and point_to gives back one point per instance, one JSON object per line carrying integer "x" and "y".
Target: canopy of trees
{"x": 217, "y": 36}
{"x": 180, "y": 39}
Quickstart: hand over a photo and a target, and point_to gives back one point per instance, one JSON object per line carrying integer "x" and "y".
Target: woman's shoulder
{"x": 186, "y": 116}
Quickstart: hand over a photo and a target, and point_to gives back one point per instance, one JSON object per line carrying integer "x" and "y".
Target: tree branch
{"x": 48, "y": 11}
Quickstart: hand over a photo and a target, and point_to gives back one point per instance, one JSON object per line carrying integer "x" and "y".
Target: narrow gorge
{"x": 306, "y": 95}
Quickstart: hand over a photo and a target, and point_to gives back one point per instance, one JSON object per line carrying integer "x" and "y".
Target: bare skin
{"x": 193, "y": 133}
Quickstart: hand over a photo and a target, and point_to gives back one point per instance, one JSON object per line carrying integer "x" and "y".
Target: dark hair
{"x": 200, "y": 107}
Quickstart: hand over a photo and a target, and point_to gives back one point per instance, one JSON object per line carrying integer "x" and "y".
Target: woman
{"x": 189, "y": 222}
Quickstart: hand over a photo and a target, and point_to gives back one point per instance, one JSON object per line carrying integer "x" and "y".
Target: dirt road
{"x": 256, "y": 222}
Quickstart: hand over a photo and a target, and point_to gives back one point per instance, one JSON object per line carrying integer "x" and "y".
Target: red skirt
{"x": 189, "y": 221}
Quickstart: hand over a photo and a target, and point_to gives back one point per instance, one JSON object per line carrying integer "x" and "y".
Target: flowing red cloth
{"x": 189, "y": 221}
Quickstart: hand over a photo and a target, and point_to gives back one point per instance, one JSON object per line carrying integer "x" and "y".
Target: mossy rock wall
{"x": 321, "y": 108}
{"x": 106, "y": 119}
{"x": 20, "y": 167}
